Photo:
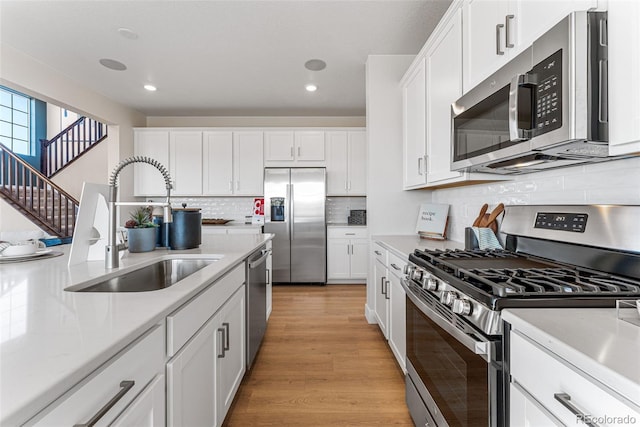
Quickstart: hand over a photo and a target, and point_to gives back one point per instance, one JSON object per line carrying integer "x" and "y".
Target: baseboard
{"x": 370, "y": 315}
{"x": 346, "y": 282}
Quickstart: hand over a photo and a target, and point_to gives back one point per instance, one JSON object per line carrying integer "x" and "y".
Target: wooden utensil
{"x": 492, "y": 216}
{"x": 480, "y": 217}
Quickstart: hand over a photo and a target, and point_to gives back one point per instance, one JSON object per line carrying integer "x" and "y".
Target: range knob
{"x": 408, "y": 268}
{"x": 431, "y": 284}
{"x": 417, "y": 274}
{"x": 462, "y": 306}
{"x": 447, "y": 297}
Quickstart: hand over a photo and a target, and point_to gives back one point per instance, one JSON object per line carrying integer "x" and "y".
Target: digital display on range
{"x": 575, "y": 222}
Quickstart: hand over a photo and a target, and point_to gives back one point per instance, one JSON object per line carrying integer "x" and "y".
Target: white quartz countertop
{"x": 403, "y": 245}
{"x": 594, "y": 340}
{"x": 50, "y": 339}
{"x": 233, "y": 224}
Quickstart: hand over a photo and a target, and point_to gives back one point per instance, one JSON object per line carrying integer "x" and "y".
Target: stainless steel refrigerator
{"x": 295, "y": 213}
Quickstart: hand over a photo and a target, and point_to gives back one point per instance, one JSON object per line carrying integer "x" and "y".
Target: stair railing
{"x": 61, "y": 150}
{"x": 37, "y": 197}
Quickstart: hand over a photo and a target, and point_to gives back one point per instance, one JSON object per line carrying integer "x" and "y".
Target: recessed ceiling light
{"x": 112, "y": 64}
{"x": 311, "y": 88}
{"x": 127, "y": 33}
{"x": 150, "y": 88}
{"x": 315, "y": 65}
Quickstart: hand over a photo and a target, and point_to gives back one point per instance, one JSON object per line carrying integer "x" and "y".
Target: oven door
{"x": 453, "y": 370}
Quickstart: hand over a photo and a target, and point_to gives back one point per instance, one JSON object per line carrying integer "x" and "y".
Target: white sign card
{"x": 432, "y": 220}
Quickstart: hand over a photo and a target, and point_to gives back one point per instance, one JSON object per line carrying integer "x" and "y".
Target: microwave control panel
{"x": 575, "y": 222}
{"x": 548, "y": 97}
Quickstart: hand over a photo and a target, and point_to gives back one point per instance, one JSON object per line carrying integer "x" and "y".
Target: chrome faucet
{"x": 111, "y": 258}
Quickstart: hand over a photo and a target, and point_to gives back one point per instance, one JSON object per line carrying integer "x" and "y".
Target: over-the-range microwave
{"x": 545, "y": 108}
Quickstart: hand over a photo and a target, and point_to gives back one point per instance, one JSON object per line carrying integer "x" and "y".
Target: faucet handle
{"x": 184, "y": 205}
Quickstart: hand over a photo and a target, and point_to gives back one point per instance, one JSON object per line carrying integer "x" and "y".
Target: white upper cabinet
{"x": 624, "y": 84}
{"x": 155, "y": 145}
{"x": 217, "y": 150}
{"x": 294, "y": 148}
{"x": 185, "y": 162}
{"x": 444, "y": 86}
{"x": 346, "y": 163}
{"x": 495, "y": 31}
{"x": 414, "y": 126}
{"x": 248, "y": 163}
{"x": 309, "y": 146}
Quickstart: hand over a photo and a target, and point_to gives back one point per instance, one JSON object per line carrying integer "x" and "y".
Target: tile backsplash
{"x": 338, "y": 208}
{"x": 614, "y": 182}
{"x": 236, "y": 208}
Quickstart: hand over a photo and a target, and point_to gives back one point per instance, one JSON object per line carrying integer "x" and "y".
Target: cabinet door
{"x": 414, "y": 127}
{"x": 397, "y": 321}
{"x": 248, "y": 163}
{"x": 357, "y": 155}
{"x": 147, "y": 180}
{"x": 359, "y": 258}
{"x": 338, "y": 258}
{"x": 309, "y": 146}
{"x": 337, "y": 163}
{"x": 278, "y": 146}
{"x": 525, "y": 411}
{"x": 484, "y": 41}
{"x": 444, "y": 86}
{"x": 218, "y": 163}
{"x": 191, "y": 381}
{"x": 230, "y": 322}
{"x": 185, "y": 158}
{"x": 381, "y": 296}
{"x": 148, "y": 408}
{"x": 624, "y": 84}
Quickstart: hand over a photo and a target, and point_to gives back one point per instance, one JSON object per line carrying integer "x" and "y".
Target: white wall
{"x": 614, "y": 182}
{"x": 390, "y": 210}
{"x": 24, "y": 74}
{"x": 220, "y": 121}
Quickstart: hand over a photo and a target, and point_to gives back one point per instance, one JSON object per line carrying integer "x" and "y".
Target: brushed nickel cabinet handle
{"x": 225, "y": 325}
{"x": 222, "y": 354}
{"x": 499, "y": 28}
{"x": 386, "y": 295}
{"x": 565, "y": 400}
{"x": 507, "y": 30}
{"x": 395, "y": 267}
{"x": 377, "y": 253}
{"x": 125, "y": 386}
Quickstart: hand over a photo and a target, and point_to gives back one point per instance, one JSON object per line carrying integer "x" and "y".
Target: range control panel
{"x": 575, "y": 222}
{"x": 548, "y": 98}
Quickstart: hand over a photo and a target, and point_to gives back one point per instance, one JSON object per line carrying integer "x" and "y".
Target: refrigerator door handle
{"x": 292, "y": 213}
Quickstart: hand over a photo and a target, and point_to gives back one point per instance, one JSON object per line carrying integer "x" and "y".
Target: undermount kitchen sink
{"x": 153, "y": 277}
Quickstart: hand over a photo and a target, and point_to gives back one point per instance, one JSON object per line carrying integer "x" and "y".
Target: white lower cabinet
{"x": 347, "y": 254}
{"x": 397, "y": 314}
{"x": 557, "y": 391}
{"x": 130, "y": 378}
{"x": 381, "y": 286}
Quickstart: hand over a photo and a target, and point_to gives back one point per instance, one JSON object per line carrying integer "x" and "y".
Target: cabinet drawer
{"x": 396, "y": 264}
{"x": 183, "y": 323}
{"x": 347, "y": 232}
{"x": 139, "y": 363}
{"x": 543, "y": 375}
{"x": 379, "y": 253}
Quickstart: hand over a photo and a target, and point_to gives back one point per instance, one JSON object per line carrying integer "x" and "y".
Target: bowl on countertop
{"x": 215, "y": 221}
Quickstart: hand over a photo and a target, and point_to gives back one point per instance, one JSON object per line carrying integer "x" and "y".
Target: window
{"x": 15, "y": 121}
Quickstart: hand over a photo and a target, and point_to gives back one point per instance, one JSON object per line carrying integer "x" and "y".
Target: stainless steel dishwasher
{"x": 256, "y": 301}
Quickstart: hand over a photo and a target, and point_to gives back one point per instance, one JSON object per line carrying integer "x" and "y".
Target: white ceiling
{"x": 227, "y": 58}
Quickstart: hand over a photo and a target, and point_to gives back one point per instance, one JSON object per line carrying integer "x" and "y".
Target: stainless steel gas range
{"x": 554, "y": 256}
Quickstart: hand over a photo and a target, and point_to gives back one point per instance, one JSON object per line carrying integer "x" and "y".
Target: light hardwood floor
{"x": 321, "y": 364}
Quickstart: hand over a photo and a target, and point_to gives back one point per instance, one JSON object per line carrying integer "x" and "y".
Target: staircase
{"x": 64, "y": 148}
{"x": 35, "y": 196}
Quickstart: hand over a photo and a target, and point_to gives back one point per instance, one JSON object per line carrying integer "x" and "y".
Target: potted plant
{"x": 141, "y": 230}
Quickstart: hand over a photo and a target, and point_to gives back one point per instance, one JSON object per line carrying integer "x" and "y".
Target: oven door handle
{"x": 475, "y": 343}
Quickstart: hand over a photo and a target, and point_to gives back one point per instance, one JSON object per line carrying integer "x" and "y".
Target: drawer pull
{"x": 377, "y": 253}
{"x": 565, "y": 400}
{"x": 395, "y": 267}
{"x": 349, "y": 234}
{"x": 125, "y": 386}
{"x": 223, "y": 340}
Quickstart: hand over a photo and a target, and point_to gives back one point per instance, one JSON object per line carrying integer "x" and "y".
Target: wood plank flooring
{"x": 321, "y": 364}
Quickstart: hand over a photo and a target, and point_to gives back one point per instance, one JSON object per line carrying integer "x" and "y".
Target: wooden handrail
{"x": 75, "y": 140}
{"x": 19, "y": 181}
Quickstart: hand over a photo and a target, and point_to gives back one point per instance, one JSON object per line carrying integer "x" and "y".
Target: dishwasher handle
{"x": 264, "y": 254}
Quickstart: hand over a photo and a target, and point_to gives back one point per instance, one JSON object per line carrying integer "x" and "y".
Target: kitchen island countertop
{"x": 50, "y": 339}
